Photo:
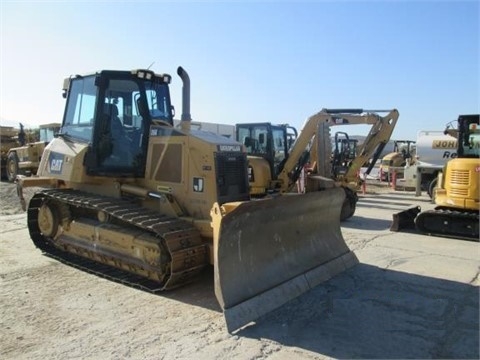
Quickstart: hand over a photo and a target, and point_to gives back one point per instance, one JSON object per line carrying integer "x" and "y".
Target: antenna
{"x": 150, "y": 65}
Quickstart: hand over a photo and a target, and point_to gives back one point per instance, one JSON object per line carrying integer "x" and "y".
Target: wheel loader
{"x": 25, "y": 159}
{"x": 127, "y": 195}
{"x": 8, "y": 140}
{"x": 457, "y": 194}
{"x": 277, "y": 156}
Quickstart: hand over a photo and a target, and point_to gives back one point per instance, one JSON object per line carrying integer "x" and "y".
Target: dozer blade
{"x": 271, "y": 251}
{"x": 405, "y": 219}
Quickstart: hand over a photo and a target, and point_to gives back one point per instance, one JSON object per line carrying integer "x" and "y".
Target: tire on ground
{"x": 12, "y": 166}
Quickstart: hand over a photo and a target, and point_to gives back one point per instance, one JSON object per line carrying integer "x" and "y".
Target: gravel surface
{"x": 411, "y": 296}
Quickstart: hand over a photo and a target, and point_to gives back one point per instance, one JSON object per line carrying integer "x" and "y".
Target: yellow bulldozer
{"x": 457, "y": 194}
{"x": 129, "y": 196}
{"x": 278, "y": 154}
{"x": 25, "y": 159}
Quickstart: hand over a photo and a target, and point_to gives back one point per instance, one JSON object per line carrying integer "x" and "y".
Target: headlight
{"x": 144, "y": 74}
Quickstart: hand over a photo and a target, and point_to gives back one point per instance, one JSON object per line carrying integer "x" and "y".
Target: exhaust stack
{"x": 186, "y": 117}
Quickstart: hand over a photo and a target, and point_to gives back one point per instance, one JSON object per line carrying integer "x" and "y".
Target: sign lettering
{"x": 55, "y": 163}
{"x": 444, "y": 144}
{"x": 449, "y": 155}
{"x": 230, "y": 148}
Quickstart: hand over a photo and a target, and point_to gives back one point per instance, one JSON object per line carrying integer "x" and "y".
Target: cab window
{"x": 80, "y": 110}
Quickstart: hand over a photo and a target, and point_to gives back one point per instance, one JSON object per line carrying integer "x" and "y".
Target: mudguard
{"x": 268, "y": 252}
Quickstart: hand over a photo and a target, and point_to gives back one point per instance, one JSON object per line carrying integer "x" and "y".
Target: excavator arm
{"x": 315, "y": 138}
{"x": 373, "y": 144}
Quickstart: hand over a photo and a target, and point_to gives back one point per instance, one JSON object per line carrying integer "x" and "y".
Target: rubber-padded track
{"x": 449, "y": 223}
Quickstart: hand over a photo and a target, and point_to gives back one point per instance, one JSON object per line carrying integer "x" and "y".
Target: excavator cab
{"x": 345, "y": 151}
{"x": 470, "y": 143}
{"x": 267, "y": 147}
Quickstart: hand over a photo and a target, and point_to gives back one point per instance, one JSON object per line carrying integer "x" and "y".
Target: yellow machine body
{"x": 457, "y": 195}
{"x": 459, "y": 185}
{"x": 127, "y": 189}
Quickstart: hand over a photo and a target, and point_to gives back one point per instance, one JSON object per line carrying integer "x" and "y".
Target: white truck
{"x": 434, "y": 149}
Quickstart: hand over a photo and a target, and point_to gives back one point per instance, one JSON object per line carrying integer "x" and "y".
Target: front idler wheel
{"x": 48, "y": 220}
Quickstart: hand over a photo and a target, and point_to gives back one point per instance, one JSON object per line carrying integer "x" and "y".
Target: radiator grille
{"x": 232, "y": 179}
{"x": 459, "y": 192}
{"x": 459, "y": 177}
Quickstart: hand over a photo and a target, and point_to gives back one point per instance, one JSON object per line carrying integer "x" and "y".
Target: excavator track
{"x": 179, "y": 243}
{"x": 449, "y": 223}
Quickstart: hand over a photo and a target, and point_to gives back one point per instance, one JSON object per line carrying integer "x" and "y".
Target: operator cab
{"x": 112, "y": 111}
{"x": 345, "y": 151}
{"x": 271, "y": 142}
{"x": 469, "y": 142}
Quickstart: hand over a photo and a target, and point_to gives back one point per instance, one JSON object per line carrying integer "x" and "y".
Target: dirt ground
{"x": 9, "y": 199}
{"x": 411, "y": 296}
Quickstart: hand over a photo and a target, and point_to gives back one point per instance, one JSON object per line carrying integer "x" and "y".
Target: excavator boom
{"x": 320, "y": 123}
{"x": 278, "y": 158}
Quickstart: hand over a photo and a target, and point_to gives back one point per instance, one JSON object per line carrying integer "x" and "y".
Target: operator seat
{"x": 116, "y": 145}
{"x": 112, "y": 123}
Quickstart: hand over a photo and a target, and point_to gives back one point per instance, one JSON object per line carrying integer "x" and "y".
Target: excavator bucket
{"x": 271, "y": 251}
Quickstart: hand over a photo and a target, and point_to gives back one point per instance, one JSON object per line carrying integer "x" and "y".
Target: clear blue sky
{"x": 252, "y": 61}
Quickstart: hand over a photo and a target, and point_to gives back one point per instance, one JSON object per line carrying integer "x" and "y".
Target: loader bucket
{"x": 271, "y": 251}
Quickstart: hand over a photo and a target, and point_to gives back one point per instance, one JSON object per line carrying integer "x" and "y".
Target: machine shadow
{"x": 370, "y": 312}
{"x": 199, "y": 293}
{"x": 394, "y": 197}
{"x": 385, "y": 206}
{"x": 368, "y": 201}
{"x": 361, "y": 222}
